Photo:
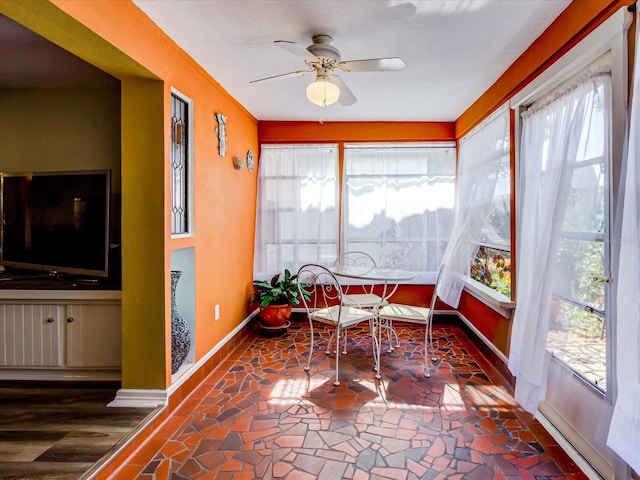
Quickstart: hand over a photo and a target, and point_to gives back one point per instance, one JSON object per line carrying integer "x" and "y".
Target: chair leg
{"x": 344, "y": 341}
{"x": 337, "y": 334}
{"x": 427, "y": 340}
{"x": 376, "y": 339}
{"x": 391, "y": 336}
{"x": 329, "y": 343}
{"x": 395, "y": 335}
{"x": 433, "y": 351}
{"x": 308, "y": 367}
{"x": 388, "y": 328}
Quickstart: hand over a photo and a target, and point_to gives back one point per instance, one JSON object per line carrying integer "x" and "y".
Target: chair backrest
{"x": 322, "y": 285}
{"x": 356, "y": 258}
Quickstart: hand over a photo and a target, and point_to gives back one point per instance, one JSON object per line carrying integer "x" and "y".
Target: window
{"x": 491, "y": 263}
{"x": 180, "y": 168}
{"x": 398, "y": 204}
{"x": 571, "y": 157}
{"x": 580, "y": 290}
{"x": 480, "y": 244}
{"x": 564, "y": 248}
{"x": 297, "y": 218}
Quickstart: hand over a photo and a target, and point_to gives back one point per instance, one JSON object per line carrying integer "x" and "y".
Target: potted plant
{"x": 276, "y": 299}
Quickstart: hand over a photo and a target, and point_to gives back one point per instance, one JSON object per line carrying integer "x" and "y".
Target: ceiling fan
{"x": 323, "y": 58}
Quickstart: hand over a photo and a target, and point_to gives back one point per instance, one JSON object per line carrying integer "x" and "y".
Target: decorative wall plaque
{"x": 250, "y": 161}
{"x": 221, "y": 130}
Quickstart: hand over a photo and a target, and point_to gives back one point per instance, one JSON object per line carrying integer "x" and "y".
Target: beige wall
{"x": 60, "y": 129}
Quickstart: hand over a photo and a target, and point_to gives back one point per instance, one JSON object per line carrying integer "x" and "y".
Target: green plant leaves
{"x": 282, "y": 289}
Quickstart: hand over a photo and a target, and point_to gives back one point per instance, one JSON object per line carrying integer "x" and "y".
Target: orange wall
{"x": 300, "y": 132}
{"x": 491, "y": 324}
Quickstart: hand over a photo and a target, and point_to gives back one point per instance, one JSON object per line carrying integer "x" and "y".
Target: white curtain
{"x": 624, "y": 432}
{"x": 398, "y": 204}
{"x": 480, "y": 156}
{"x": 554, "y": 130}
{"x": 297, "y": 208}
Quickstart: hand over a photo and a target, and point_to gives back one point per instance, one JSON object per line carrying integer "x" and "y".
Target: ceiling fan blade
{"x": 297, "y": 50}
{"x": 284, "y": 75}
{"x": 373, "y": 65}
{"x": 346, "y": 96}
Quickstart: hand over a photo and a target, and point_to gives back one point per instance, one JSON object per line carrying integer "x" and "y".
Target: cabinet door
{"x": 93, "y": 336}
{"x": 30, "y": 335}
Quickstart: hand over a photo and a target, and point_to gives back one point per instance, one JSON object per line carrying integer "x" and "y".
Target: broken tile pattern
{"x": 260, "y": 415}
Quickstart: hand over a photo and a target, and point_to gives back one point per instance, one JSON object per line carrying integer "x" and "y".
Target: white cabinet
{"x": 60, "y": 334}
{"x": 93, "y": 335}
{"x": 31, "y": 335}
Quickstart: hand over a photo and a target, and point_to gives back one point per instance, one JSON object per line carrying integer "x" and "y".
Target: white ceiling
{"x": 454, "y": 50}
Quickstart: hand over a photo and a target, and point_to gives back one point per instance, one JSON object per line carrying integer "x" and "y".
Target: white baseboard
{"x": 568, "y": 447}
{"x": 142, "y": 398}
{"x": 129, "y": 397}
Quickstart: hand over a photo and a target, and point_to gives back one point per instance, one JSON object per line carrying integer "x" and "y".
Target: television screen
{"x": 57, "y": 221}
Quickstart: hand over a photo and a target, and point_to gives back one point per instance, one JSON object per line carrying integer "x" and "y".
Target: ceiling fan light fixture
{"x": 322, "y": 92}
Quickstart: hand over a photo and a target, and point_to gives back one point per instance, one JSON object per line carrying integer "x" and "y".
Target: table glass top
{"x": 373, "y": 273}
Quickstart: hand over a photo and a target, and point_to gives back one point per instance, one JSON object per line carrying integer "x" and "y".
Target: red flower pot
{"x": 275, "y": 316}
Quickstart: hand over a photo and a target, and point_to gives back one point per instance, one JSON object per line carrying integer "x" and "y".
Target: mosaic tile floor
{"x": 260, "y": 415}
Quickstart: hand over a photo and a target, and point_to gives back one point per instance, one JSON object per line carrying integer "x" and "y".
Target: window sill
{"x": 498, "y": 302}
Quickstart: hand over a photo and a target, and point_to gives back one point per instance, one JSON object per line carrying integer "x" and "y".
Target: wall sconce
{"x": 238, "y": 163}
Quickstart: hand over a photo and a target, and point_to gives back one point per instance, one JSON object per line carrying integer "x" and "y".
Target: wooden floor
{"x": 59, "y": 430}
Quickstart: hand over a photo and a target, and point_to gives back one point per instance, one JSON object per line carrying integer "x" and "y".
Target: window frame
{"x": 188, "y": 199}
{"x": 496, "y": 296}
{"x": 261, "y": 255}
{"x": 497, "y": 301}
{"x": 610, "y": 37}
{"x": 424, "y": 277}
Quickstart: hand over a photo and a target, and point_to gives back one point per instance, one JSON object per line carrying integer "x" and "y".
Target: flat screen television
{"x": 56, "y": 221}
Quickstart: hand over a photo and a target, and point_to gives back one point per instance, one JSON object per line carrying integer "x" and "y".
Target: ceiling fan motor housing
{"x": 323, "y": 49}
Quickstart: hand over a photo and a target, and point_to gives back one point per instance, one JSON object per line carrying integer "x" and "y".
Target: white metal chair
{"x": 359, "y": 294}
{"x": 326, "y": 306}
{"x": 414, "y": 314}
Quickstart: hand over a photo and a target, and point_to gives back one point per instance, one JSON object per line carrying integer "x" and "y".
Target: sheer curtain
{"x": 554, "y": 130}
{"x": 398, "y": 204}
{"x": 480, "y": 157}
{"x": 624, "y": 432}
{"x": 297, "y": 208}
